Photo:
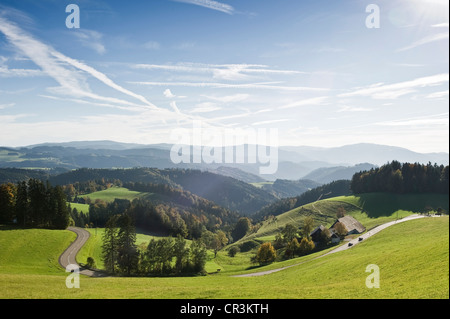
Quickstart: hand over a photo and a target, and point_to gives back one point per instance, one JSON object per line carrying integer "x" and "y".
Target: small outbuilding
{"x": 316, "y": 233}
{"x": 334, "y": 237}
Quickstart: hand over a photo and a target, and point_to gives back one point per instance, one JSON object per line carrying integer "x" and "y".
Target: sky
{"x": 319, "y": 73}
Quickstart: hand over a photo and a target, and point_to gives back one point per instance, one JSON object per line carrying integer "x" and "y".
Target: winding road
{"x": 340, "y": 248}
{"x": 68, "y": 257}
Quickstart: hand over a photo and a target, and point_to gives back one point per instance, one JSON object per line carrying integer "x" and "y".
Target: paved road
{"x": 340, "y": 248}
{"x": 69, "y": 255}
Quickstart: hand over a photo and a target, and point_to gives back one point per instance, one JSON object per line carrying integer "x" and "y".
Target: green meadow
{"x": 370, "y": 209}
{"x": 108, "y": 195}
{"x": 413, "y": 258}
{"x": 32, "y": 251}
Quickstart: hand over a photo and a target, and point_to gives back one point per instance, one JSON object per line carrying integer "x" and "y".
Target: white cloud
{"x": 205, "y": 107}
{"x": 264, "y": 85}
{"x": 432, "y": 120}
{"x": 441, "y": 25}
{"x": 228, "y": 98}
{"x": 214, "y": 5}
{"x": 167, "y": 93}
{"x": 392, "y": 91}
{"x": 90, "y": 39}
{"x": 312, "y": 101}
{"x": 6, "y": 72}
{"x": 428, "y": 39}
{"x": 348, "y": 108}
{"x": 59, "y": 67}
{"x": 437, "y": 95}
{"x": 270, "y": 122}
{"x": 174, "y": 106}
{"x": 4, "y": 106}
{"x": 229, "y": 72}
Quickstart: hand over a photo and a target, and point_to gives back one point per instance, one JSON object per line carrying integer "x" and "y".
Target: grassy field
{"x": 108, "y": 195}
{"x": 369, "y": 209}
{"x": 32, "y": 251}
{"x": 80, "y": 207}
{"x": 261, "y": 184}
{"x": 413, "y": 258}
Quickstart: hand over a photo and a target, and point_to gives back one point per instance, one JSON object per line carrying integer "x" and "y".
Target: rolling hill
{"x": 225, "y": 191}
{"x": 326, "y": 175}
{"x": 294, "y": 162}
{"x": 415, "y": 267}
{"x": 370, "y": 209}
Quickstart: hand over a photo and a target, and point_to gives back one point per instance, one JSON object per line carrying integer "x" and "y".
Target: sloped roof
{"x": 351, "y": 224}
{"x": 321, "y": 228}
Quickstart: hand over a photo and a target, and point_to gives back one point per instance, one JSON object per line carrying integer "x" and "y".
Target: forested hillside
{"x": 225, "y": 191}
{"x": 403, "y": 178}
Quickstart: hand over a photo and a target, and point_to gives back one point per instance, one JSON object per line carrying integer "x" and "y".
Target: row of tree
{"x": 165, "y": 256}
{"x": 400, "y": 178}
{"x": 34, "y": 203}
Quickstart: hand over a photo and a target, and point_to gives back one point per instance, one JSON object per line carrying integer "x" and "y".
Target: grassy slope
{"x": 370, "y": 209}
{"x": 108, "y": 195}
{"x": 413, "y": 258}
{"x": 32, "y": 251}
{"x": 80, "y": 207}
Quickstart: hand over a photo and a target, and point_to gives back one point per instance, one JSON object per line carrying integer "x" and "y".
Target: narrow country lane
{"x": 340, "y": 248}
{"x": 69, "y": 255}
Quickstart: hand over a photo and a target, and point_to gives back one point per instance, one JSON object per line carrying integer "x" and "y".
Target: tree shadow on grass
{"x": 385, "y": 204}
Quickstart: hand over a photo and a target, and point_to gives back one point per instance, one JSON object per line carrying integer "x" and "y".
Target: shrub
{"x": 266, "y": 254}
{"x": 90, "y": 262}
{"x": 233, "y": 251}
{"x": 248, "y": 245}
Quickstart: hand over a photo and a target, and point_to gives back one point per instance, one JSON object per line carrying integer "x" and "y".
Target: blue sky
{"x": 135, "y": 71}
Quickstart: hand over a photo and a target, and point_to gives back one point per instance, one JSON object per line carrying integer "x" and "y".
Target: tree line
{"x": 34, "y": 203}
{"x": 163, "y": 257}
{"x": 395, "y": 177}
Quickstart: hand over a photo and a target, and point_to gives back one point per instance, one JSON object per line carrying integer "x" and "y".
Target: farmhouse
{"x": 352, "y": 225}
{"x": 316, "y": 233}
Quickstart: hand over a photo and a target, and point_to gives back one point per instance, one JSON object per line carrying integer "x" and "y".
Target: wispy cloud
{"x": 393, "y": 91}
{"x": 270, "y": 122}
{"x": 441, "y": 25}
{"x": 312, "y": 101}
{"x": 167, "y": 93}
{"x": 60, "y": 67}
{"x": 205, "y": 107}
{"x": 264, "y": 85}
{"x": 7, "y": 72}
{"x": 437, "y": 95}
{"x": 229, "y": 72}
{"x": 210, "y": 4}
{"x": 426, "y": 40}
{"x": 348, "y": 108}
{"x": 4, "y": 106}
{"x": 436, "y": 119}
{"x": 90, "y": 39}
{"x": 228, "y": 98}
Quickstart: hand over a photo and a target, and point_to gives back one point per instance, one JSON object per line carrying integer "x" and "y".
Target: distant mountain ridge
{"x": 326, "y": 175}
{"x": 294, "y": 162}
